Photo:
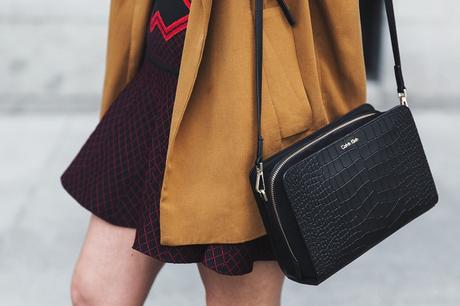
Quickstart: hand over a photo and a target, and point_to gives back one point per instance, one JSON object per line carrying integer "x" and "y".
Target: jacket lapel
{"x": 191, "y": 57}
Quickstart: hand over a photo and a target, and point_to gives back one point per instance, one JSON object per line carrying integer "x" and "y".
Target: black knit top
{"x": 169, "y": 19}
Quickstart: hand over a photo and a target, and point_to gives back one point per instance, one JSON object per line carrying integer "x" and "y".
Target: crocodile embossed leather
{"x": 330, "y": 197}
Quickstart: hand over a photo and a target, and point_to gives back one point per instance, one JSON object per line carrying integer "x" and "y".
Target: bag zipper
{"x": 281, "y": 164}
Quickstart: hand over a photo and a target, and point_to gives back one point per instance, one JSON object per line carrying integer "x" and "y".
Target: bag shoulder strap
{"x": 395, "y": 47}
{"x": 402, "y": 92}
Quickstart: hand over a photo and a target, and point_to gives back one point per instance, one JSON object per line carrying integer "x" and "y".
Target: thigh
{"x": 109, "y": 271}
{"x": 262, "y": 286}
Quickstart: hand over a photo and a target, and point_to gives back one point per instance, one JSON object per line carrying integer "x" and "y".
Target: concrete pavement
{"x": 42, "y": 228}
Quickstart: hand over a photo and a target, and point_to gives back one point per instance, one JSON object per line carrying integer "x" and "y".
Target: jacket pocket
{"x": 281, "y": 69}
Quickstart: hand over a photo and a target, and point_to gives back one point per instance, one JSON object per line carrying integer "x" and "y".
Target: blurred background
{"x": 51, "y": 73}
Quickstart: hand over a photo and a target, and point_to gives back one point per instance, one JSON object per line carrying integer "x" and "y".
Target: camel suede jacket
{"x": 313, "y": 72}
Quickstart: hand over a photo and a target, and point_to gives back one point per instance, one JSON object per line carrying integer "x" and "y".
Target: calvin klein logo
{"x": 349, "y": 143}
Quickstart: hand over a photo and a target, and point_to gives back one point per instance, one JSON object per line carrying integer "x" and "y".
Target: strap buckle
{"x": 260, "y": 181}
{"x": 403, "y": 97}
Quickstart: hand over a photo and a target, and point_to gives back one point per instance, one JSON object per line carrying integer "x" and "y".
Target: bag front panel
{"x": 360, "y": 189}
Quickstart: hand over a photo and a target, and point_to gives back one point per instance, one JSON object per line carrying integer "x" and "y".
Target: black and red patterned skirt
{"x": 117, "y": 174}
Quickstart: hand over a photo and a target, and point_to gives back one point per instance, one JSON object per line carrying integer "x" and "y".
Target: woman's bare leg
{"x": 108, "y": 271}
{"x": 260, "y": 287}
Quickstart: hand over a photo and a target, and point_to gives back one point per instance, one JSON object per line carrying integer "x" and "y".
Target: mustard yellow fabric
{"x": 312, "y": 73}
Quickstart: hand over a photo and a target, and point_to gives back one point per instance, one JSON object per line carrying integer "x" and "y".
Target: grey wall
{"x": 429, "y": 40}
{"x": 52, "y": 53}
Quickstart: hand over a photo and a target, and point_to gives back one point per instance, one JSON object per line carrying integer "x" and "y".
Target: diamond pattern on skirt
{"x": 118, "y": 172}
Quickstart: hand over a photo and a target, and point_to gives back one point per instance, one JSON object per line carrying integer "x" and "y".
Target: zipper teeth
{"x": 278, "y": 168}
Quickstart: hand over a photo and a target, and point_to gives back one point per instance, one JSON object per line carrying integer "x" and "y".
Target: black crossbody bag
{"x": 331, "y": 196}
